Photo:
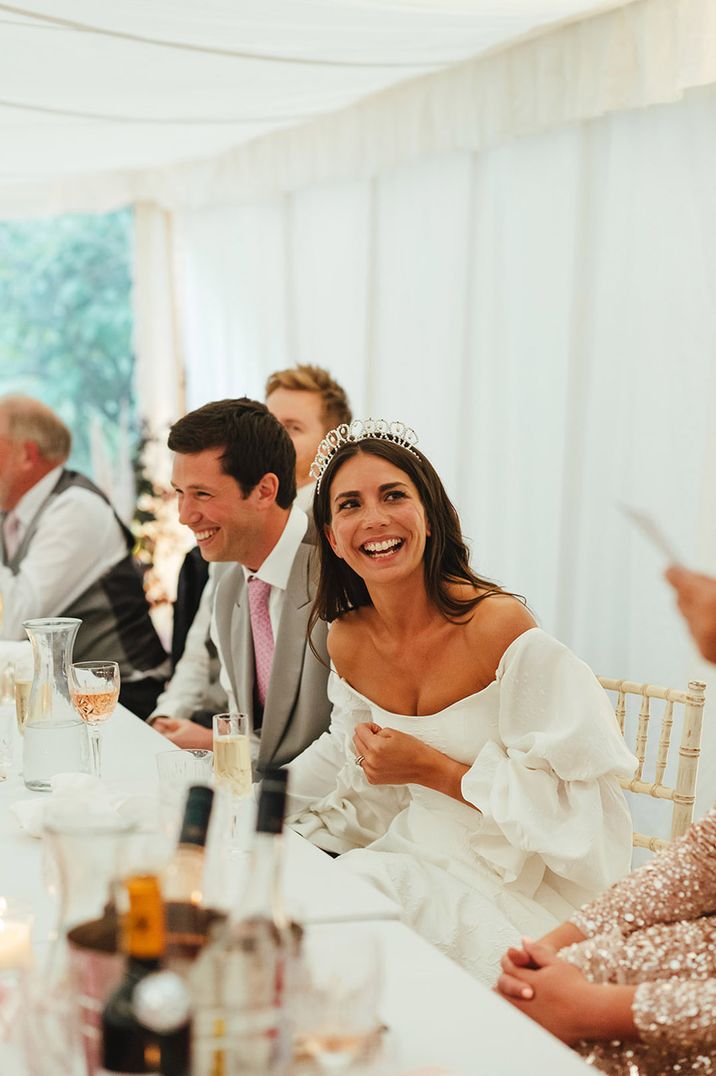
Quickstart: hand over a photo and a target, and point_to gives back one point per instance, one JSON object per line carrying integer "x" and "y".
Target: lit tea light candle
{"x": 15, "y": 948}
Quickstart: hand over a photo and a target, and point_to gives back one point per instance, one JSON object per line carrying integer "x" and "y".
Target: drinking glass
{"x": 94, "y": 686}
{"x": 22, "y": 685}
{"x": 7, "y": 679}
{"x": 232, "y": 754}
{"x": 87, "y": 848}
{"x": 15, "y": 925}
{"x": 178, "y": 771}
{"x": 335, "y": 1005}
{"x": 7, "y": 732}
{"x": 15, "y": 960}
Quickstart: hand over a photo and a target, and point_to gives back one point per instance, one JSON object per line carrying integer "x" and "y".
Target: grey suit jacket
{"x": 297, "y": 709}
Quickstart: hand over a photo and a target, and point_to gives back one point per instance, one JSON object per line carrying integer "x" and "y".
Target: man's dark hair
{"x": 254, "y": 443}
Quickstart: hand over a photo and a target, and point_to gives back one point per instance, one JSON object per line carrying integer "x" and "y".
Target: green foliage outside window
{"x": 66, "y": 320}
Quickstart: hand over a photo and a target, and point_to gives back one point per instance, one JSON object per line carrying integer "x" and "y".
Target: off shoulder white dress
{"x": 552, "y": 829}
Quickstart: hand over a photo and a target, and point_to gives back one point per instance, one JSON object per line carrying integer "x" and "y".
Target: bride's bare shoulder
{"x": 345, "y": 638}
{"x": 498, "y": 620}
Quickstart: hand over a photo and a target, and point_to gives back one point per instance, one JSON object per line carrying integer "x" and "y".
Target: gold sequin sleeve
{"x": 663, "y": 951}
{"x": 678, "y": 884}
{"x": 678, "y": 1014}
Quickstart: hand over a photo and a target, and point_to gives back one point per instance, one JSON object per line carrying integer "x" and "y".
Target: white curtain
{"x": 544, "y": 314}
{"x": 159, "y": 366}
{"x": 209, "y": 129}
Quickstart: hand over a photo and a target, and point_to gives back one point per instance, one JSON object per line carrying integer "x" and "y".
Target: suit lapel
{"x": 288, "y": 655}
{"x": 233, "y": 624}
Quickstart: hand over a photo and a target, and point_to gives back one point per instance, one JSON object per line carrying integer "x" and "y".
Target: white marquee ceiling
{"x": 93, "y": 87}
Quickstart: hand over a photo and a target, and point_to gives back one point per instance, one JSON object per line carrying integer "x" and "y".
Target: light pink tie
{"x": 262, "y": 632}
{"x": 11, "y": 534}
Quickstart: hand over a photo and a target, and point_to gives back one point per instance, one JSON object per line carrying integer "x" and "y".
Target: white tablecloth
{"x": 438, "y": 1014}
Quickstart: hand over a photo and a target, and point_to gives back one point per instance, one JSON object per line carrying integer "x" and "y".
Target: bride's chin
{"x": 391, "y": 573}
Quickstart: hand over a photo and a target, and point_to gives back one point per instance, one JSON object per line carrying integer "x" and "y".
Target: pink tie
{"x": 262, "y": 632}
{"x": 11, "y": 534}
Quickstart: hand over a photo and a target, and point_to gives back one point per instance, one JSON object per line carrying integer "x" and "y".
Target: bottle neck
{"x": 139, "y": 966}
{"x": 143, "y": 925}
{"x": 262, "y": 896}
{"x": 190, "y": 846}
{"x": 197, "y": 812}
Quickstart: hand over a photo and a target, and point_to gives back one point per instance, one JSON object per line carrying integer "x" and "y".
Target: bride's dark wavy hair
{"x": 446, "y": 558}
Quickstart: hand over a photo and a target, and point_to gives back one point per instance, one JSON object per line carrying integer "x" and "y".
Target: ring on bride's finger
{"x": 359, "y": 760}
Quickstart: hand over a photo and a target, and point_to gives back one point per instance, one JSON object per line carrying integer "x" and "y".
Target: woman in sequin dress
{"x": 634, "y": 986}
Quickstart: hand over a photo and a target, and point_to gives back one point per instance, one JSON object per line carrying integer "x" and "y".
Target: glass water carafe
{"x": 85, "y": 852}
{"x": 55, "y": 739}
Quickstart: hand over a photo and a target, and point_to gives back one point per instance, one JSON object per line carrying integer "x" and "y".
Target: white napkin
{"x": 72, "y": 795}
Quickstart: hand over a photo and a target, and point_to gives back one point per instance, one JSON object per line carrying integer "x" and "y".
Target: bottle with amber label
{"x": 129, "y": 1046}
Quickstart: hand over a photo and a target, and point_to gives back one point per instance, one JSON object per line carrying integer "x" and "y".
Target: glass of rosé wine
{"x": 94, "y": 686}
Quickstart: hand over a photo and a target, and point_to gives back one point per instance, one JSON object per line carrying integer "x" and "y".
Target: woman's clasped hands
{"x": 557, "y": 995}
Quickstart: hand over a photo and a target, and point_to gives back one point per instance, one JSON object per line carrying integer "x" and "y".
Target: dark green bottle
{"x": 127, "y": 1045}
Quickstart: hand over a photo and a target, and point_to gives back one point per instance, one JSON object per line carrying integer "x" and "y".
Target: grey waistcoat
{"x": 116, "y": 625}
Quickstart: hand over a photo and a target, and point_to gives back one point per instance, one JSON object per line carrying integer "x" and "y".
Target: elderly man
{"x": 66, "y": 553}
{"x": 234, "y": 473}
{"x": 307, "y": 402}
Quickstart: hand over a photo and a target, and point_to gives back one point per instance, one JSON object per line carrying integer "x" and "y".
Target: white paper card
{"x": 652, "y": 532}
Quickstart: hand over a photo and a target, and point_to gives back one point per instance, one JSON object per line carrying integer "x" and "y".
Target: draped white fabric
{"x": 101, "y": 100}
{"x": 544, "y": 314}
{"x": 105, "y": 103}
{"x": 159, "y": 372}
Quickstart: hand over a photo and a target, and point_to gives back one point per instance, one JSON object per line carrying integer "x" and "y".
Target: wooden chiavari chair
{"x": 682, "y": 792}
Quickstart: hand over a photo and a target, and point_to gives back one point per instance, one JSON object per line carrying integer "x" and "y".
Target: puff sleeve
{"x": 547, "y": 783}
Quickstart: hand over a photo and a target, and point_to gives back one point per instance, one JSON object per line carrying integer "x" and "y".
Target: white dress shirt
{"x": 276, "y": 569}
{"x": 190, "y": 687}
{"x": 77, "y": 540}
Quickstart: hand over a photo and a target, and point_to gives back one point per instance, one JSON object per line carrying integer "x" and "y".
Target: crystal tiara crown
{"x": 360, "y": 430}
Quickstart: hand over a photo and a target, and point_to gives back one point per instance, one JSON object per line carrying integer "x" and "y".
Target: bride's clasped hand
{"x": 391, "y": 757}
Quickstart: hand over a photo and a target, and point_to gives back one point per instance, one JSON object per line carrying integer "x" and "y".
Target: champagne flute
{"x": 232, "y": 770}
{"x": 23, "y": 684}
{"x": 232, "y": 754}
{"x": 95, "y": 692}
{"x": 22, "y": 700}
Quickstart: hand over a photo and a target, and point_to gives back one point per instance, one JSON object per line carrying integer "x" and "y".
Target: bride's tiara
{"x": 360, "y": 430}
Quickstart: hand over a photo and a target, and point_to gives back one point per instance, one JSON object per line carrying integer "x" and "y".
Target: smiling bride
{"x": 471, "y": 767}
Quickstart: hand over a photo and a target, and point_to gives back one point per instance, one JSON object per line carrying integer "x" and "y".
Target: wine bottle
{"x": 127, "y": 1045}
{"x": 183, "y": 877}
{"x": 238, "y": 981}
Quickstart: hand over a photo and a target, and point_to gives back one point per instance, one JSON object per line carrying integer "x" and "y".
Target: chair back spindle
{"x": 682, "y": 794}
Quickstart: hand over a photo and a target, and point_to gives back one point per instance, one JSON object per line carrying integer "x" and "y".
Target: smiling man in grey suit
{"x": 234, "y": 473}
